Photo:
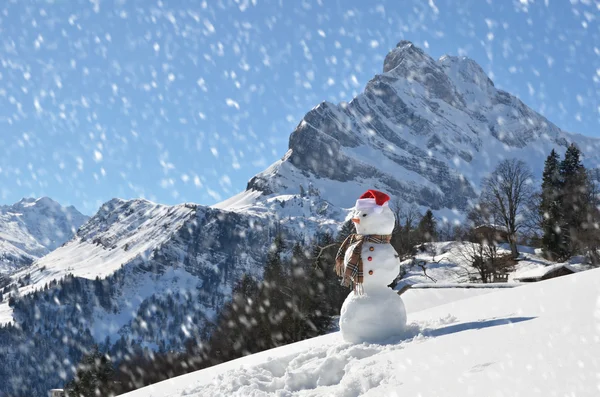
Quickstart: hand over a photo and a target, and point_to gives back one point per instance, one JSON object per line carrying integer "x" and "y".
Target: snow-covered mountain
{"x": 537, "y": 339}
{"x": 130, "y": 261}
{"x": 425, "y": 131}
{"x": 31, "y": 228}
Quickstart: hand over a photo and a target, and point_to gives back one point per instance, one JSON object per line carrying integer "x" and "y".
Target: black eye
{"x": 364, "y": 215}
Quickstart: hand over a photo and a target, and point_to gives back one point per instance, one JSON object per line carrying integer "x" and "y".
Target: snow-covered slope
{"x": 538, "y": 339}
{"x": 120, "y": 232}
{"x": 31, "y": 228}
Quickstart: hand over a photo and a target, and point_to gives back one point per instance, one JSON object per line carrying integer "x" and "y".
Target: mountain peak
{"x": 36, "y": 226}
{"x": 405, "y": 53}
{"x": 405, "y": 44}
{"x": 42, "y": 203}
{"x": 462, "y": 69}
{"x": 44, "y": 200}
{"x": 425, "y": 131}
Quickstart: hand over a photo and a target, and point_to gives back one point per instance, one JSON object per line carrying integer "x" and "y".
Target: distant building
{"x": 56, "y": 393}
{"x": 490, "y": 233}
{"x": 544, "y": 273}
{"x": 500, "y": 277}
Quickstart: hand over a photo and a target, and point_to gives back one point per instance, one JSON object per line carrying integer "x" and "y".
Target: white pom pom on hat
{"x": 372, "y": 199}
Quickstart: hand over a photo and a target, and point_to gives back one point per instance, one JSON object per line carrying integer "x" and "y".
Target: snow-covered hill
{"x": 31, "y": 228}
{"x": 538, "y": 339}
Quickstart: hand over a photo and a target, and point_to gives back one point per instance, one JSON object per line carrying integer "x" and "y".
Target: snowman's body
{"x": 377, "y": 314}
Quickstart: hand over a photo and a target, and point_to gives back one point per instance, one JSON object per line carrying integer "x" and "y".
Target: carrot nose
{"x": 356, "y": 220}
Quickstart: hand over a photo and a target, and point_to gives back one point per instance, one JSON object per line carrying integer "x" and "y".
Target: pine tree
{"x": 94, "y": 371}
{"x": 273, "y": 269}
{"x": 347, "y": 229}
{"x": 273, "y": 299}
{"x": 237, "y": 326}
{"x": 304, "y": 307}
{"x": 550, "y": 208}
{"x": 428, "y": 227}
{"x": 397, "y": 240}
{"x": 574, "y": 199}
{"x": 329, "y": 291}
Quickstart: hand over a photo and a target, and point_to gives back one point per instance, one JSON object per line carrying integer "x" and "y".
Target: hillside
{"x": 540, "y": 338}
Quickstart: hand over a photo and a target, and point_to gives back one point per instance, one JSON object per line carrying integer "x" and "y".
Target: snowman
{"x": 367, "y": 262}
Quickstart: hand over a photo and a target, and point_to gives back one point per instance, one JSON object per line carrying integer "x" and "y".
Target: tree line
{"x": 568, "y": 208}
{"x": 561, "y": 216}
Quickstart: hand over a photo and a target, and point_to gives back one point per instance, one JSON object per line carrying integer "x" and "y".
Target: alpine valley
{"x": 423, "y": 131}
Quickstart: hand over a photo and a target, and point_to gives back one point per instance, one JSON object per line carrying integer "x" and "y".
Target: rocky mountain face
{"x": 424, "y": 131}
{"x": 31, "y": 228}
{"x": 148, "y": 275}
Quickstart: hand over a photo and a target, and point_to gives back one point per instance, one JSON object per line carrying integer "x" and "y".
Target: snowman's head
{"x": 372, "y": 214}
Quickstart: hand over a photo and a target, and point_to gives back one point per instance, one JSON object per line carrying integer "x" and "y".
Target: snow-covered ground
{"x": 420, "y": 298}
{"x": 446, "y": 264}
{"x": 540, "y": 339}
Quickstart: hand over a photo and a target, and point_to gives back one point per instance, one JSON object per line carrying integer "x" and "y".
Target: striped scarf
{"x": 353, "y": 274}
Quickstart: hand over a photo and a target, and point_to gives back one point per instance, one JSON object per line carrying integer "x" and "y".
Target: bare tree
{"x": 409, "y": 216}
{"x": 473, "y": 255}
{"x": 446, "y": 231}
{"x": 480, "y": 214}
{"x": 505, "y": 193}
{"x": 396, "y": 205}
{"x": 533, "y": 220}
{"x": 403, "y": 236}
{"x": 486, "y": 259}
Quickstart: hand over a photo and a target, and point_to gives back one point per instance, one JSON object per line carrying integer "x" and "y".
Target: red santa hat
{"x": 372, "y": 199}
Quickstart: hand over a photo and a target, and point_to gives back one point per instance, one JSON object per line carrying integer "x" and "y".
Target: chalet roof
{"x": 500, "y": 228}
{"x": 541, "y": 271}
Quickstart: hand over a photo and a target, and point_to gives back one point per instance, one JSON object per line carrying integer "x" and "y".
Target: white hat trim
{"x": 369, "y": 203}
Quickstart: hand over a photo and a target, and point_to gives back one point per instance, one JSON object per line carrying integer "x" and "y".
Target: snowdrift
{"x": 539, "y": 339}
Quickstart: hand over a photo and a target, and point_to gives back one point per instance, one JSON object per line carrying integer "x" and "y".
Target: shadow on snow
{"x": 474, "y": 325}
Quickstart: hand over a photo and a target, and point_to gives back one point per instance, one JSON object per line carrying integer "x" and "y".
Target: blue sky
{"x": 181, "y": 101}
